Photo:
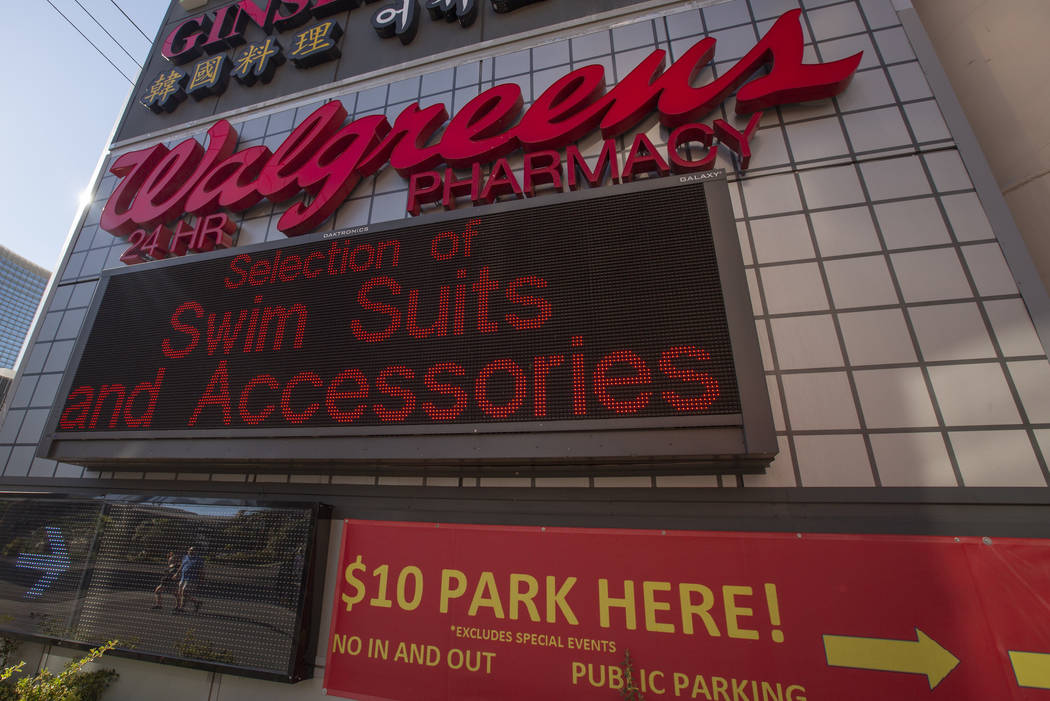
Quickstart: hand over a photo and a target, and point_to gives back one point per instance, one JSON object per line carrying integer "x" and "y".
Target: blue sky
{"x": 60, "y": 101}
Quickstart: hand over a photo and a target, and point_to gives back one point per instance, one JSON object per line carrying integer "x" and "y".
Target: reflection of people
{"x": 189, "y": 578}
{"x": 167, "y": 580}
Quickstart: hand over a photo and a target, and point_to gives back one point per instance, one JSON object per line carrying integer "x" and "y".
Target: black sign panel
{"x": 596, "y": 313}
{"x": 206, "y": 585}
{"x": 310, "y": 52}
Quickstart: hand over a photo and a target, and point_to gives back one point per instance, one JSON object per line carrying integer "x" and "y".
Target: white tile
{"x": 775, "y": 404}
{"x": 763, "y": 344}
{"x": 926, "y": 122}
{"x": 687, "y": 481}
{"x": 552, "y": 54}
{"x": 67, "y": 471}
{"x": 895, "y": 177}
{"x": 973, "y": 395}
{"x": 591, "y": 45}
{"x": 389, "y": 207}
{"x": 1032, "y": 380}
{"x": 951, "y": 332}
{"x": 831, "y": 187}
{"x": 879, "y": 13}
{"x": 562, "y": 482}
{"x": 745, "y": 243}
{"x": 894, "y": 46}
{"x": 765, "y": 9}
{"x": 361, "y": 479}
{"x": 625, "y": 61}
{"x": 819, "y": 138}
{"x": 683, "y": 24}
{"x": 780, "y": 473}
{"x": 912, "y": 460}
{"x": 799, "y": 111}
{"x": 768, "y": 147}
{"x": 1013, "y": 327}
{"x": 1042, "y": 437}
{"x": 967, "y": 217}
{"x": 793, "y": 288}
{"x": 726, "y": 15}
{"x": 833, "y": 461}
{"x": 911, "y": 223}
{"x": 632, "y": 36}
{"x": 860, "y": 282}
{"x": 836, "y": 21}
{"x": 990, "y": 272}
{"x": 948, "y": 171}
{"x": 753, "y": 291}
{"x": 770, "y": 118}
{"x": 844, "y": 231}
{"x": 836, "y": 49}
{"x": 876, "y": 337}
{"x": 395, "y": 481}
{"x": 806, "y": 342}
{"x": 781, "y": 239}
{"x": 222, "y": 477}
{"x": 734, "y": 43}
{"x": 867, "y": 89}
{"x": 819, "y": 401}
{"x": 352, "y": 213}
{"x": 876, "y": 129}
{"x": 734, "y": 198}
{"x": 161, "y": 476}
{"x": 926, "y": 276}
{"x": 639, "y": 482}
{"x": 503, "y": 482}
{"x": 910, "y": 81}
{"x": 771, "y": 194}
{"x": 996, "y": 459}
{"x": 894, "y": 398}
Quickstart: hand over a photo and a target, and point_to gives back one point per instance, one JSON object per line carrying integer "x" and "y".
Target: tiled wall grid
{"x": 897, "y": 349}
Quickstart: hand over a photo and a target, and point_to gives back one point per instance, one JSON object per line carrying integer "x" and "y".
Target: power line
{"x": 121, "y": 46}
{"x": 131, "y": 20}
{"x": 90, "y": 42}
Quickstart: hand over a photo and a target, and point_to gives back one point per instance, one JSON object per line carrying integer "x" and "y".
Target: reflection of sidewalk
{"x": 46, "y": 615}
{"x": 254, "y": 634}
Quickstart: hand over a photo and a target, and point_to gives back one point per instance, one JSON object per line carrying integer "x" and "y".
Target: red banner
{"x": 433, "y": 611}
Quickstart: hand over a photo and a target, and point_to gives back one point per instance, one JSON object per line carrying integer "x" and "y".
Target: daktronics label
{"x": 592, "y": 309}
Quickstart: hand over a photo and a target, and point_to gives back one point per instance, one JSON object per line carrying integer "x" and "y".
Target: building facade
{"x": 892, "y": 478}
{"x": 22, "y": 284}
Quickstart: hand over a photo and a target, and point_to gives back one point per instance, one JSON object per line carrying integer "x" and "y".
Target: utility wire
{"x": 131, "y": 20}
{"x": 90, "y": 42}
{"x": 107, "y": 33}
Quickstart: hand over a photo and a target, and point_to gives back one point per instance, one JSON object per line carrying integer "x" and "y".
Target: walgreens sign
{"x": 326, "y": 159}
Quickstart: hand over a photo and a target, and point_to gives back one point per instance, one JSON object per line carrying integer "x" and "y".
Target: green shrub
{"x": 71, "y": 684}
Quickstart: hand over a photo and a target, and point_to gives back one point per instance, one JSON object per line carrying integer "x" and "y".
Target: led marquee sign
{"x": 595, "y": 330}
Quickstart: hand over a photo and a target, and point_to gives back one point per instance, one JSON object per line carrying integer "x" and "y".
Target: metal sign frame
{"x": 742, "y": 443}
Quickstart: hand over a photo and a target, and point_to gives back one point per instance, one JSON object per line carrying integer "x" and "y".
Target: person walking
{"x": 168, "y": 580}
{"x": 189, "y": 579}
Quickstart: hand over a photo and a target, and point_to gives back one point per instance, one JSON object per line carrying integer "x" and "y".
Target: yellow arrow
{"x": 924, "y": 656}
{"x": 1032, "y": 669}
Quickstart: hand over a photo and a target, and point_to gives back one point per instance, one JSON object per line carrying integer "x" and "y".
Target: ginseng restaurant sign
{"x": 225, "y": 28}
{"x": 326, "y": 160}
